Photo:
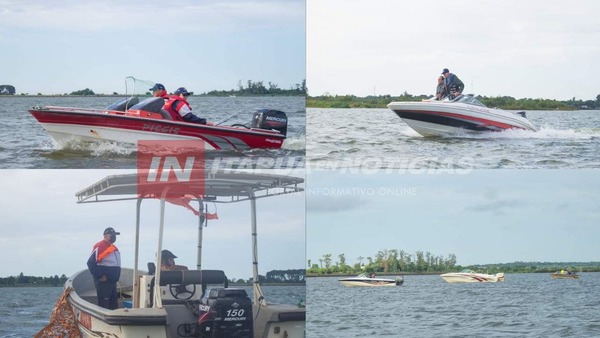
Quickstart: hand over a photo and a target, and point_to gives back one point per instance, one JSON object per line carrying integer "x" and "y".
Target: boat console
{"x": 220, "y": 312}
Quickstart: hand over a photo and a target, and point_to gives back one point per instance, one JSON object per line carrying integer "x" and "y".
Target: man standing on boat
{"x": 453, "y": 84}
{"x": 105, "y": 266}
{"x": 180, "y": 109}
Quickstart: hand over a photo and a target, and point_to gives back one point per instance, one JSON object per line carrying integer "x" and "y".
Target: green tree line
{"x": 258, "y": 88}
{"x": 272, "y": 277}
{"x": 400, "y": 262}
{"x": 503, "y": 102}
{"x": 22, "y": 280}
{"x": 293, "y": 276}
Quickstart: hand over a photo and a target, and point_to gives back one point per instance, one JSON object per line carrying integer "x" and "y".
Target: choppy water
{"x": 25, "y": 311}
{"x": 25, "y": 144}
{"x": 379, "y": 138}
{"x": 525, "y": 305}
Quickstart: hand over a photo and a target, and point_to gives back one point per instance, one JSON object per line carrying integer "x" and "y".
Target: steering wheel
{"x": 179, "y": 291}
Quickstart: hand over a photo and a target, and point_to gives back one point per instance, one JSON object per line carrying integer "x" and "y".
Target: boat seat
{"x": 153, "y": 105}
{"x": 151, "y": 268}
{"x": 123, "y": 104}
{"x": 165, "y": 114}
{"x": 186, "y": 277}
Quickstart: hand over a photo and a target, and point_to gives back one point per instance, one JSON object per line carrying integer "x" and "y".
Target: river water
{"x": 525, "y": 305}
{"x": 25, "y": 311}
{"x": 25, "y": 144}
{"x": 379, "y": 138}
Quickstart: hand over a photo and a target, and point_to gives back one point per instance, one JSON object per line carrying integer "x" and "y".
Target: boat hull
{"x": 94, "y": 321}
{"x": 460, "y": 277}
{"x": 565, "y": 276}
{"x": 66, "y": 124}
{"x": 451, "y": 119}
{"x": 377, "y": 282}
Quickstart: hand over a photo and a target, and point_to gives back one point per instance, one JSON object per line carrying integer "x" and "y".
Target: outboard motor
{"x": 227, "y": 313}
{"x": 270, "y": 119}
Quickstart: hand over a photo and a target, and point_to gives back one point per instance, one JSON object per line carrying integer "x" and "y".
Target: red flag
{"x": 185, "y": 202}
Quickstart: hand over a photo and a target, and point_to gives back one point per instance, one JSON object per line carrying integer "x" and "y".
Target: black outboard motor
{"x": 227, "y": 313}
{"x": 270, "y": 119}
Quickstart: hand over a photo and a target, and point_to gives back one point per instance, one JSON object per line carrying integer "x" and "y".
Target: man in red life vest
{"x": 105, "y": 266}
{"x": 159, "y": 91}
{"x": 179, "y": 108}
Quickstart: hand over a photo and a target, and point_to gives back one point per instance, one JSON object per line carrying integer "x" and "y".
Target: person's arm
{"x": 190, "y": 117}
{"x": 460, "y": 85}
{"x": 93, "y": 265}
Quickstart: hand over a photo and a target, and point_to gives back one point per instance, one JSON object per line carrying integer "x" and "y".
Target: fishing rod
{"x": 228, "y": 118}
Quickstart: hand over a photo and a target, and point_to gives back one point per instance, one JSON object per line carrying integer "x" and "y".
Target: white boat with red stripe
{"x": 460, "y": 116}
{"x": 470, "y": 276}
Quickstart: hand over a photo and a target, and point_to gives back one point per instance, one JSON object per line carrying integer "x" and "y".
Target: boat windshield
{"x": 468, "y": 99}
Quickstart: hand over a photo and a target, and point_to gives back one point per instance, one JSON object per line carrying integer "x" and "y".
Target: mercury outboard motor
{"x": 227, "y": 313}
{"x": 270, "y": 119}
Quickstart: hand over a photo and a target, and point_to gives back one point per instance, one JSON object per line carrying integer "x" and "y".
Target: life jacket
{"x": 172, "y": 106}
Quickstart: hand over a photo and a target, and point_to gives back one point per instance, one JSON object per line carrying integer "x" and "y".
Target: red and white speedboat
{"x": 464, "y": 114}
{"x": 129, "y": 122}
{"x": 470, "y": 276}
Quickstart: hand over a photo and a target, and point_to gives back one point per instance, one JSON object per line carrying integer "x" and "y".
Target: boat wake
{"x": 96, "y": 149}
{"x": 542, "y": 133}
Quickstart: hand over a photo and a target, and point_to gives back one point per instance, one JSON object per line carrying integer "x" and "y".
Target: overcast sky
{"x": 534, "y": 48}
{"x": 56, "y": 47}
{"x": 45, "y": 232}
{"x": 486, "y": 216}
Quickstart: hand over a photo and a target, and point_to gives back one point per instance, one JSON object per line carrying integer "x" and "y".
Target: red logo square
{"x": 171, "y": 168}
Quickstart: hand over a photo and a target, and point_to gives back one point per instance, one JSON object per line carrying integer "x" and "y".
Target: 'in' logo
{"x": 175, "y": 168}
{"x": 170, "y": 164}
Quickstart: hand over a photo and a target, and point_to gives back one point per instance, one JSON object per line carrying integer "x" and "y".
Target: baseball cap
{"x": 157, "y": 86}
{"x": 110, "y": 230}
{"x": 167, "y": 254}
{"x": 182, "y": 90}
{"x": 445, "y": 71}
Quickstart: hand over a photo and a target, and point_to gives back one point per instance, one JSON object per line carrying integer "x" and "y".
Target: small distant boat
{"x": 565, "y": 275}
{"x": 470, "y": 276}
{"x": 364, "y": 280}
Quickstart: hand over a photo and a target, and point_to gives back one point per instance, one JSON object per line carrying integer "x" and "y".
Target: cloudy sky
{"x": 485, "y": 216}
{"x": 62, "y": 46}
{"x": 535, "y": 48}
{"x": 46, "y": 233}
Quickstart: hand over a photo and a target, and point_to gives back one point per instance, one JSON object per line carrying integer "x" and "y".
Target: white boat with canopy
{"x": 176, "y": 303}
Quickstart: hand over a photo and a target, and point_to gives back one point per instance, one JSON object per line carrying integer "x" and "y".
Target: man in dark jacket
{"x": 105, "y": 266}
{"x": 454, "y": 85}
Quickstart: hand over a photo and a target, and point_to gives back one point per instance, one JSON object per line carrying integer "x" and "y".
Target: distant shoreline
{"x": 502, "y": 102}
{"x": 231, "y": 284}
{"x": 125, "y": 95}
{"x": 423, "y": 273}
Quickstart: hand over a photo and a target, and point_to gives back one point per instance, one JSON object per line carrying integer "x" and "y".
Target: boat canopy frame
{"x": 217, "y": 187}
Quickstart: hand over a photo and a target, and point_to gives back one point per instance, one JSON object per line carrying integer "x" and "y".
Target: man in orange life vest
{"x": 105, "y": 266}
{"x": 179, "y": 108}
